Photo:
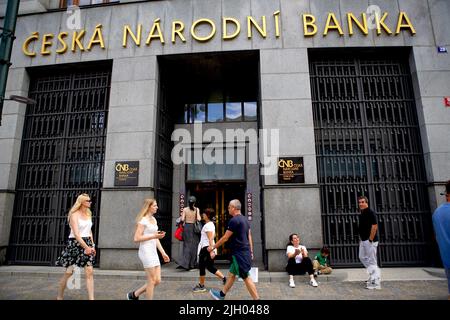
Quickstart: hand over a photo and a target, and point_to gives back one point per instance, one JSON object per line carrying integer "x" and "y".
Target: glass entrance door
{"x": 217, "y": 196}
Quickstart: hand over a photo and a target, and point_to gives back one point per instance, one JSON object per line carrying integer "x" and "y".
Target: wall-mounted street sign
{"x": 290, "y": 170}
{"x": 126, "y": 173}
{"x": 442, "y": 50}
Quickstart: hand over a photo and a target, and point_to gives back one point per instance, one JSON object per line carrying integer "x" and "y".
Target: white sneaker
{"x": 374, "y": 285}
{"x": 313, "y": 282}
{"x": 291, "y": 283}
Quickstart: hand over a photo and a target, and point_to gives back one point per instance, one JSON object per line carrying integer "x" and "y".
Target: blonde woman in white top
{"x": 148, "y": 236}
{"x": 80, "y": 250}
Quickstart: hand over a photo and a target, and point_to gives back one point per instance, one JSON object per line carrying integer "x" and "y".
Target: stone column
{"x": 13, "y": 118}
{"x": 431, "y": 79}
{"x": 286, "y": 106}
{"x": 131, "y": 137}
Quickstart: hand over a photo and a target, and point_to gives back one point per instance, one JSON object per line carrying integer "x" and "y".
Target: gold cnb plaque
{"x": 290, "y": 170}
{"x": 126, "y": 173}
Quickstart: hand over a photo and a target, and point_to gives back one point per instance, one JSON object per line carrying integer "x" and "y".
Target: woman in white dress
{"x": 148, "y": 236}
{"x": 80, "y": 250}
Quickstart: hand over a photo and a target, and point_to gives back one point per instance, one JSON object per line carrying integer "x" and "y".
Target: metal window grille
{"x": 368, "y": 143}
{"x": 62, "y": 155}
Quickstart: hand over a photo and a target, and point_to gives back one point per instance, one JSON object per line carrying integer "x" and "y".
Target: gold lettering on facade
{"x": 206, "y": 38}
{"x": 76, "y": 40}
{"x": 97, "y": 38}
{"x": 127, "y": 31}
{"x": 46, "y": 43}
{"x": 34, "y": 36}
{"x": 277, "y": 23}
{"x": 309, "y": 22}
{"x": 362, "y": 26}
{"x": 407, "y": 25}
{"x": 252, "y": 22}
{"x": 380, "y": 24}
{"x": 334, "y": 26}
{"x": 64, "y": 45}
{"x": 155, "y": 28}
{"x": 225, "y": 35}
{"x": 204, "y": 29}
{"x": 177, "y": 29}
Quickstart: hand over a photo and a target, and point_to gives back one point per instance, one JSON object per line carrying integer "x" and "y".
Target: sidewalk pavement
{"x": 34, "y": 282}
{"x": 169, "y": 272}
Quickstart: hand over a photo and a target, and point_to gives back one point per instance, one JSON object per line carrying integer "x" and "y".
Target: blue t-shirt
{"x": 239, "y": 240}
{"x": 441, "y": 224}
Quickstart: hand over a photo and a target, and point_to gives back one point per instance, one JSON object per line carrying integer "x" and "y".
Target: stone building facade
{"x": 354, "y": 91}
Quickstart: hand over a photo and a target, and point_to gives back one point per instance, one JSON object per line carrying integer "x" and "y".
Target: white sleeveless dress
{"x": 147, "y": 249}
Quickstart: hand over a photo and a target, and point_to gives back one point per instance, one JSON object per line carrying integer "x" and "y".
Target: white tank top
{"x": 84, "y": 227}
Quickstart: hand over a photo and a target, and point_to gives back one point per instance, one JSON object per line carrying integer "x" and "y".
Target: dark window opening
{"x": 212, "y": 87}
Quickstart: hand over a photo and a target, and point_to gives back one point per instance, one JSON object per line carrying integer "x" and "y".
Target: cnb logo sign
{"x": 285, "y": 163}
{"x": 290, "y": 170}
{"x": 126, "y": 173}
{"x": 122, "y": 167}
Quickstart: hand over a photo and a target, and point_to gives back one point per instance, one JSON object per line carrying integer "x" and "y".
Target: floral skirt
{"x": 73, "y": 254}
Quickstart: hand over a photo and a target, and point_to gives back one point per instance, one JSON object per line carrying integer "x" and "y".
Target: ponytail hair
{"x": 191, "y": 202}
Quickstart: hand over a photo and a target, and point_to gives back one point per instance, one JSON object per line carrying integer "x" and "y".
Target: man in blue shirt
{"x": 441, "y": 224}
{"x": 240, "y": 236}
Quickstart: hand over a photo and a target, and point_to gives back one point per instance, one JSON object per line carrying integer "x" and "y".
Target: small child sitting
{"x": 320, "y": 263}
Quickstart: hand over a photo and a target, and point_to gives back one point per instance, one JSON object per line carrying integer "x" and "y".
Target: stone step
{"x": 170, "y": 273}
